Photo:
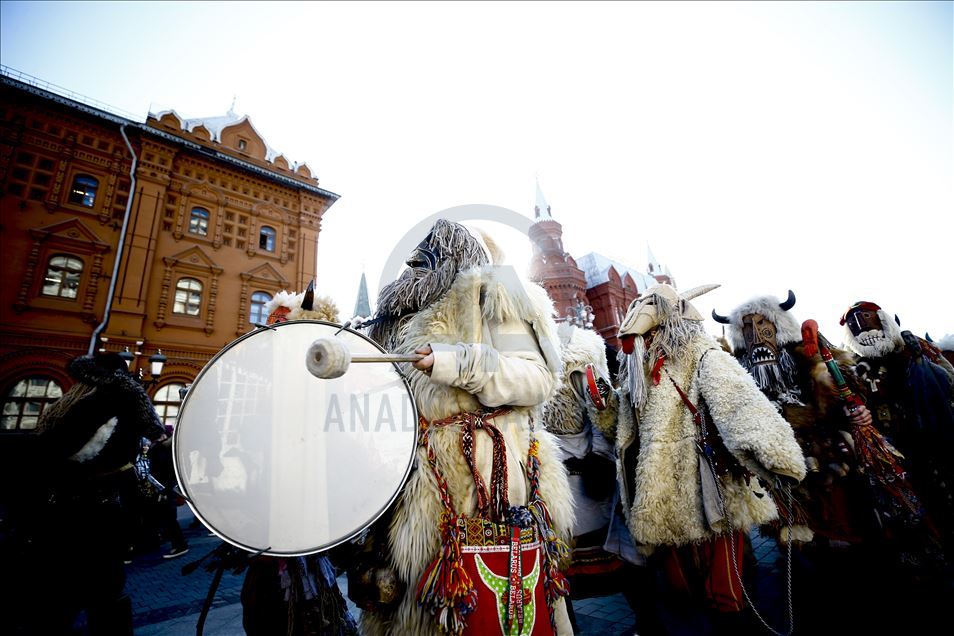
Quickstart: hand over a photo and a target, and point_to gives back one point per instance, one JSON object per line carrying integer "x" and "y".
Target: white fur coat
{"x": 666, "y": 496}
{"x": 494, "y": 344}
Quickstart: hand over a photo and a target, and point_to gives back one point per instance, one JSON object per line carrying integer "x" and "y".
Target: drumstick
{"x": 329, "y": 358}
{"x": 386, "y": 357}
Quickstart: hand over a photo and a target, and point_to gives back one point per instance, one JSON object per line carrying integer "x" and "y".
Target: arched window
{"x": 188, "y": 297}
{"x": 167, "y": 402}
{"x": 259, "y": 300}
{"x": 266, "y": 238}
{"x": 83, "y": 191}
{"x": 199, "y": 221}
{"x": 25, "y": 402}
{"x": 62, "y": 276}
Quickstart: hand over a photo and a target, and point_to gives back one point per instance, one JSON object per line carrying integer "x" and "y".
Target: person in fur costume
{"x": 840, "y": 508}
{"x": 296, "y": 596}
{"x": 909, "y": 387}
{"x": 767, "y": 341}
{"x": 476, "y": 539}
{"x": 78, "y": 534}
{"x": 694, "y": 438}
{"x": 588, "y": 457}
{"x": 604, "y": 559}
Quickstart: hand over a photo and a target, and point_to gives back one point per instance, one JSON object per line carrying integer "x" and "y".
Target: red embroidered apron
{"x": 497, "y": 572}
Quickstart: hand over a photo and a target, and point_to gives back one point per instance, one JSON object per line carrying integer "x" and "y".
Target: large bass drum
{"x": 277, "y": 461}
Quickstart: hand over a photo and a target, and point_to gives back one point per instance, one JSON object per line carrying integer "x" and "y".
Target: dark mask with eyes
{"x": 432, "y": 266}
{"x": 869, "y": 332}
{"x": 861, "y": 320}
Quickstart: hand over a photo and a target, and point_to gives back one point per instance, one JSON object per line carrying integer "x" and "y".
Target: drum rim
{"x": 267, "y": 550}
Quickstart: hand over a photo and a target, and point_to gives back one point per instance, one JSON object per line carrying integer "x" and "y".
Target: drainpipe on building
{"x": 119, "y": 250}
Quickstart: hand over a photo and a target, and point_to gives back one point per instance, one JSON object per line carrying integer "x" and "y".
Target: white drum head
{"x": 275, "y": 460}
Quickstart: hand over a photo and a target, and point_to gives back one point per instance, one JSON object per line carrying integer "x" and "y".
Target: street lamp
{"x": 127, "y": 357}
{"x": 156, "y": 362}
{"x": 580, "y": 315}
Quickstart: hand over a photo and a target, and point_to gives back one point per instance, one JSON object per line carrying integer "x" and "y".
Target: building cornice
{"x": 142, "y": 127}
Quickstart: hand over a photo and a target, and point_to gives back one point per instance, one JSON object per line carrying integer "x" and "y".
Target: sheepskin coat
{"x": 494, "y": 343}
{"x": 665, "y": 492}
{"x": 571, "y": 417}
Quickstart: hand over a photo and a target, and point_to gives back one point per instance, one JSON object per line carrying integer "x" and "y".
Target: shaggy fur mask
{"x": 788, "y": 330}
{"x": 872, "y": 342}
{"x": 563, "y": 414}
{"x": 449, "y": 248}
{"x": 766, "y": 356}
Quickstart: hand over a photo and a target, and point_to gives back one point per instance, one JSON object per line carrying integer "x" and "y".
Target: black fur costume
{"x": 104, "y": 390}
{"x": 66, "y": 534}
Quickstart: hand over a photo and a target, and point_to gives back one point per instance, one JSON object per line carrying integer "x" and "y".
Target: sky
{"x": 761, "y": 146}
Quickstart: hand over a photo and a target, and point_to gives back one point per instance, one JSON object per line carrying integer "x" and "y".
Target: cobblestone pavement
{"x": 160, "y": 591}
{"x": 167, "y": 603}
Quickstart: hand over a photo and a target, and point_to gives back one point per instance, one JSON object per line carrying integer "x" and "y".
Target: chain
{"x": 735, "y": 563}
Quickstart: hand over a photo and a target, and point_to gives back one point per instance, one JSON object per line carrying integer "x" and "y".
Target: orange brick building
{"x": 179, "y": 256}
{"x": 593, "y": 291}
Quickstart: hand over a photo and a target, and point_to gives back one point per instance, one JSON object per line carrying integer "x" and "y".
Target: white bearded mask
{"x": 869, "y": 332}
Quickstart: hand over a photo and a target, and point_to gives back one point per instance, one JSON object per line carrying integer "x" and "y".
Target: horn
{"x": 897, "y": 320}
{"x": 697, "y": 291}
{"x": 308, "y": 302}
{"x": 719, "y": 319}
{"x": 927, "y": 337}
{"x": 789, "y": 302}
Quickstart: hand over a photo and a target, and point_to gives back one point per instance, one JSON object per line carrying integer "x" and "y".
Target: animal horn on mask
{"x": 698, "y": 291}
{"x": 661, "y": 304}
{"x": 720, "y": 318}
{"x": 308, "y": 302}
{"x": 686, "y": 309}
{"x": 789, "y": 302}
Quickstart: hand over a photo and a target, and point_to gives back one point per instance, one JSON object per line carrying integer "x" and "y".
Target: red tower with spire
{"x": 593, "y": 291}
{"x": 550, "y": 265}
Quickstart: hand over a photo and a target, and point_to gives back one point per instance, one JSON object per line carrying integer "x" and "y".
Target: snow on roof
{"x": 215, "y": 126}
{"x": 596, "y": 269}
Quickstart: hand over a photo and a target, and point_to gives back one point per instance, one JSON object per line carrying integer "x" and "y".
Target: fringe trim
{"x": 445, "y": 589}
{"x": 556, "y": 553}
{"x": 777, "y": 380}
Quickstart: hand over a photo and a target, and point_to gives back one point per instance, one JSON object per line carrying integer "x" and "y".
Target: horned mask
{"x": 759, "y": 331}
{"x": 659, "y": 307}
{"x": 675, "y": 321}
